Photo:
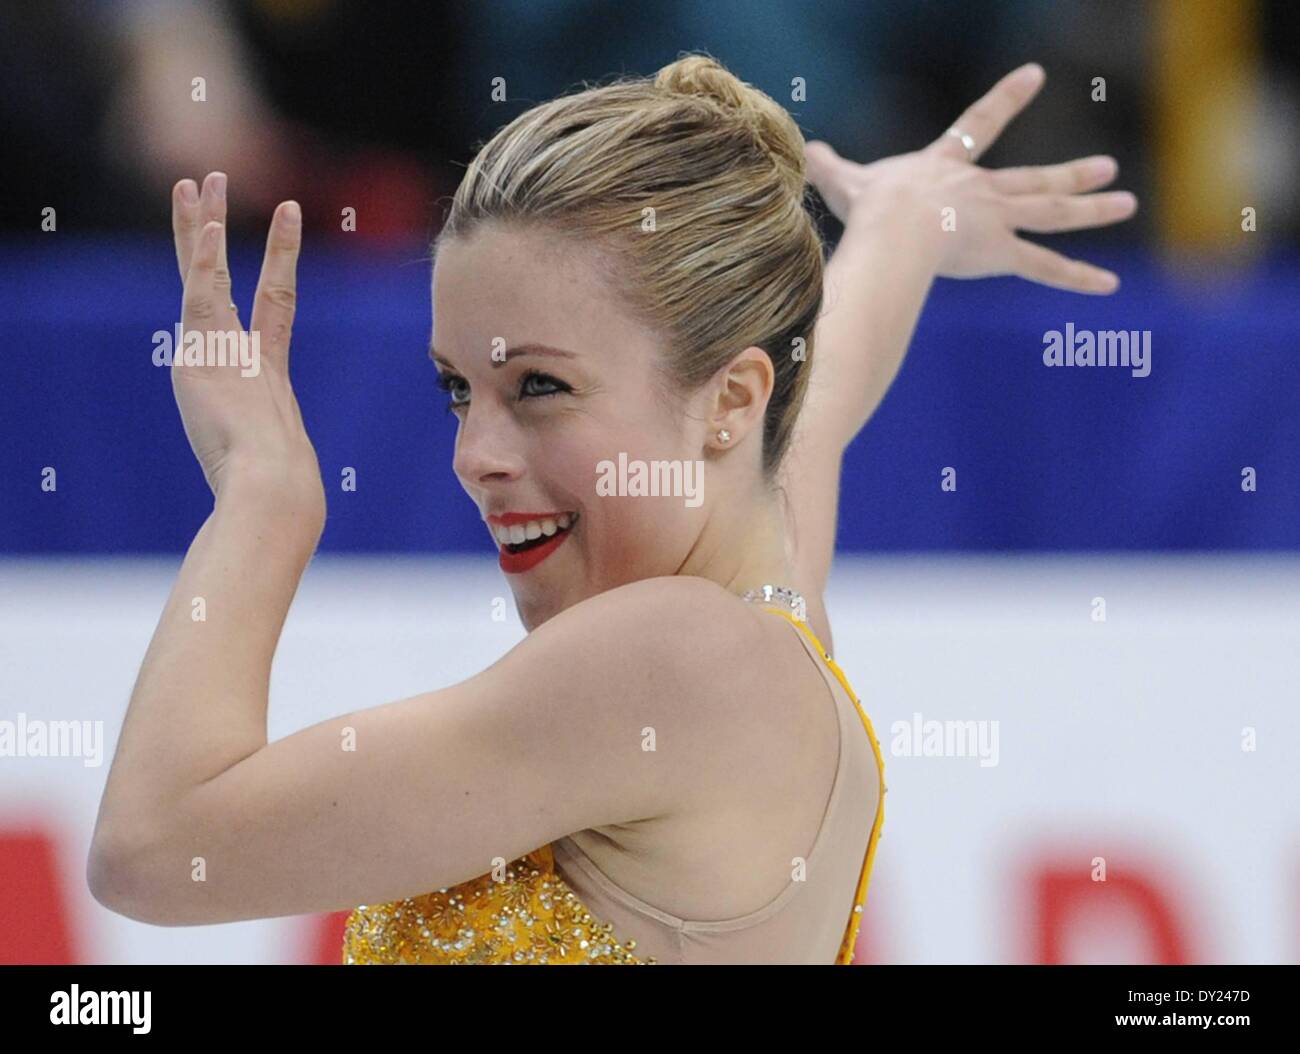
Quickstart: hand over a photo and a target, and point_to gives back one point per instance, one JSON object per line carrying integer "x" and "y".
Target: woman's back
{"x": 562, "y": 902}
{"x": 813, "y": 919}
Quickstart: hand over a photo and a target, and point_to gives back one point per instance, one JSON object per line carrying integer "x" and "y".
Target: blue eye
{"x": 558, "y": 386}
{"x": 448, "y": 382}
{"x": 451, "y": 382}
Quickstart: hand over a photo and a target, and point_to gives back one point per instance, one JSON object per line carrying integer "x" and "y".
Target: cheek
{"x": 566, "y": 459}
{"x": 638, "y": 528}
{"x": 625, "y": 533}
{"x": 569, "y": 457}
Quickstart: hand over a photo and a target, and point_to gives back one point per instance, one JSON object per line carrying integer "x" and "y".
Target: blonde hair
{"x": 732, "y": 259}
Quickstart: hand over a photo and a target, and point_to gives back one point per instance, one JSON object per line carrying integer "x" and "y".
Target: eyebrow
{"x": 519, "y": 349}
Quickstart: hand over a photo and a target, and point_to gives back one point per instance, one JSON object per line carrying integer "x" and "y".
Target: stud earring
{"x": 724, "y": 436}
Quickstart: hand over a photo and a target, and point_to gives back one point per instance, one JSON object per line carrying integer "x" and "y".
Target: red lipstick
{"x": 516, "y": 563}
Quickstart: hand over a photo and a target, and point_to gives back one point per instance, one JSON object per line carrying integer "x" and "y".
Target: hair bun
{"x": 768, "y": 121}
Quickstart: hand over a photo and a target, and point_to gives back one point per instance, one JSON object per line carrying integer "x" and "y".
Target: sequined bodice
{"x": 530, "y": 917}
{"x": 526, "y": 914}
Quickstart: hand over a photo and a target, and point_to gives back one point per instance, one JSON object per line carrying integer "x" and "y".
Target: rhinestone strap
{"x": 781, "y": 596}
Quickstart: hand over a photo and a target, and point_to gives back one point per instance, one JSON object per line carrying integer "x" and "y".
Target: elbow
{"x": 116, "y": 875}
{"x": 106, "y": 876}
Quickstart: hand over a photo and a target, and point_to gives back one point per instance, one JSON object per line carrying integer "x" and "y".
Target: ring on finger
{"x": 966, "y": 141}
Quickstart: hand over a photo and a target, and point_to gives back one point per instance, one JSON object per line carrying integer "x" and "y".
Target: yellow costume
{"x": 533, "y": 916}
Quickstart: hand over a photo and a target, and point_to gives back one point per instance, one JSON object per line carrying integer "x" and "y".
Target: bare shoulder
{"x": 717, "y": 709}
{"x": 682, "y": 660}
{"x": 679, "y": 632}
{"x": 660, "y": 610}
{"x": 684, "y": 648}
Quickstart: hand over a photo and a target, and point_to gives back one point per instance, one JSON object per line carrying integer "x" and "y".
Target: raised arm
{"x": 204, "y": 820}
{"x": 908, "y": 219}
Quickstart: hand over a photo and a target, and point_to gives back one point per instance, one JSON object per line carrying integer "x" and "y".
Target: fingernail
{"x": 1034, "y": 70}
{"x": 292, "y": 214}
{"x": 219, "y": 185}
{"x": 189, "y": 192}
{"x": 1103, "y": 166}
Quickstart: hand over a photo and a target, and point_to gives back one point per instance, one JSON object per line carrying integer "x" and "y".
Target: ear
{"x": 739, "y": 401}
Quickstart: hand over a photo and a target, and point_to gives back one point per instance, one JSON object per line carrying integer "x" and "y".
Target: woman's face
{"x": 549, "y": 379}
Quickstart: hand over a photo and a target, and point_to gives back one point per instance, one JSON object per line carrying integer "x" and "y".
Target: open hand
{"x": 231, "y": 385}
{"x": 988, "y": 206}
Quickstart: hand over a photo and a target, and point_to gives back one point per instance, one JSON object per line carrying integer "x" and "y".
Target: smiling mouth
{"x": 542, "y": 531}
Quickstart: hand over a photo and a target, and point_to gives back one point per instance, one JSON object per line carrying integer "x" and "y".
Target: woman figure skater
{"x": 669, "y": 768}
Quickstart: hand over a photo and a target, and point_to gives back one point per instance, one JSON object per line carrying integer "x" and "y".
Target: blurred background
{"x": 1155, "y": 732}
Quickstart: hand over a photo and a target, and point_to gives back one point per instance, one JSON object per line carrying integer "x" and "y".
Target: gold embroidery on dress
{"x": 531, "y": 918}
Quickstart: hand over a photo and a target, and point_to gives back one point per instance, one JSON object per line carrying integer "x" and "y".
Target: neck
{"x": 743, "y": 544}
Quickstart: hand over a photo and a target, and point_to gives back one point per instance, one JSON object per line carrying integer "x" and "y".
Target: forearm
{"x": 876, "y": 284}
{"x": 200, "y": 701}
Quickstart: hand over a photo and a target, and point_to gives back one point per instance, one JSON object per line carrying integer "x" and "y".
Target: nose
{"x": 489, "y": 448}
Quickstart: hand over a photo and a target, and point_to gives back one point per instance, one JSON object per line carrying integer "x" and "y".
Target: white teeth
{"x": 524, "y": 532}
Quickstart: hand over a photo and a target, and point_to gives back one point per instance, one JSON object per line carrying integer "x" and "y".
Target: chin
{"x": 535, "y": 605}
{"x": 534, "y": 610}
